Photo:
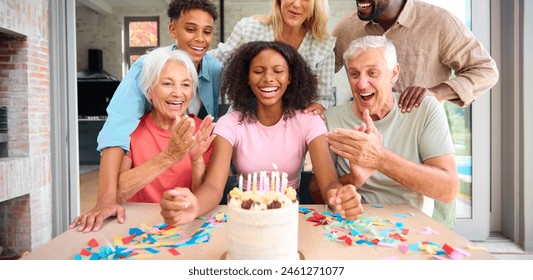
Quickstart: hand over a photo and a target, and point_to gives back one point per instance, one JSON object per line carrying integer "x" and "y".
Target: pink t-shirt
{"x": 256, "y": 147}
{"x": 149, "y": 140}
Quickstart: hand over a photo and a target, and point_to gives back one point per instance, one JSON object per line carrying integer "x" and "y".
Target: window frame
{"x": 128, "y": 50}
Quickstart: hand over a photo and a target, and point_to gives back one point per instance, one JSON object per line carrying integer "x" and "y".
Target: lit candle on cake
{"x": 275, "y": 178}
{"x": 267, "y": 183}
{"x": 254, "y": 183}
{"x": 277, "y": 182}
{"x": 240, "y": 182}
{"x": 273, "y": 181}
{"x": 248, "y": 182}
{"x": 261, "y": 180}
{"x": 284, "y": 181}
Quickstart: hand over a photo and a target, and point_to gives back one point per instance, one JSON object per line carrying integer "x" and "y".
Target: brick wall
{"x": 14, "y": 91}
{"x": 25, "y": 175}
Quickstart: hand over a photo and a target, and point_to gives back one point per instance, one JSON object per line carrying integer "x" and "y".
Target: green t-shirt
{"x": 416, "y": 136}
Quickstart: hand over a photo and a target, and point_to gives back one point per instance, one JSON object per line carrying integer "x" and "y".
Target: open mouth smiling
{"x": 269, "y": 91}
{"x": 366, "y": 96}
{"x": 198, "y": 49}
{"x": 363, "y": 5}
{"x": 175, "y": 104}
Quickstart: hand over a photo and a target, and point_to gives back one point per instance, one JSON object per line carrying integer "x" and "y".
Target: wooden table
{"x": 312, "y": 243}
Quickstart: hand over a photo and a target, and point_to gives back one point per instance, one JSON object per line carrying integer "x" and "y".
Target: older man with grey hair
{"x": 391, "y": 157}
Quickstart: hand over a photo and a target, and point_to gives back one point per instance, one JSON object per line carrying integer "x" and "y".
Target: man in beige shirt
{"x": 431, "y": 43}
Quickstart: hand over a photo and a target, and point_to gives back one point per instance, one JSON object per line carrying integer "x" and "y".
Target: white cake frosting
{"x": 258, "y": 233}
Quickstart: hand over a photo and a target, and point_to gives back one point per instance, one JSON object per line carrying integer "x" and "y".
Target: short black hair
{"x": 177, "y": 7}
{"x": 302, "y": 90}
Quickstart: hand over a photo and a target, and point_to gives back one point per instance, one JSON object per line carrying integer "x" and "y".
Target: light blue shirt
{"x": 129, "y": 104}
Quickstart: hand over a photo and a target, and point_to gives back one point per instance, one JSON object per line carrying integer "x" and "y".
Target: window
{"x": 460, "y": 120}
{"x": 470, "y": 131}
{"x": 141, "y": 35}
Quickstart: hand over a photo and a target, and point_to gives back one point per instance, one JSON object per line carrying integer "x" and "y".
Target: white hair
{"x": 157, "y": 59}
{"x": 364, "y": 44}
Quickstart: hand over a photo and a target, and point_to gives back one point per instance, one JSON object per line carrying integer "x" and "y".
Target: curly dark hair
{"x": 299, "y": 94}
{"x": 177, "y": 7}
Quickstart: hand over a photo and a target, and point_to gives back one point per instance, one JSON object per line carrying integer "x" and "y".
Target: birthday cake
{"x": 262, "y": 223}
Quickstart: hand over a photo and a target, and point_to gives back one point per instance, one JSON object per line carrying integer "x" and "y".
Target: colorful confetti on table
{"x": 374, "y": 231}
{"x": 143, "y": 242}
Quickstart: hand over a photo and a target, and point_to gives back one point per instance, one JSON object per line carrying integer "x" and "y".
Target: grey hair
{"x": 364, "y": 44}
{"x": 157, "y": 59}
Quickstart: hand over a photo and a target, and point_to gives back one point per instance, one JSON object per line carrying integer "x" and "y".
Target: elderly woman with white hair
{"x": 168, "y": 149}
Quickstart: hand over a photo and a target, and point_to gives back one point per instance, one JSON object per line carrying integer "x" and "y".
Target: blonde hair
{"x": 316, "y": 20}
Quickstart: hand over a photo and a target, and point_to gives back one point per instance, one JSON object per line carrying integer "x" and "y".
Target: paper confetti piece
{"x": 135, "y": 231}
{"x": 454, "y": 253}
{"x": 128, "y": 239}
{"x": 152, "y": 250}
{"x": 462, "y": 252}
{"x": 346, "y": 240}
{"x": 456, "y": 256}
{"x": 173, "y": 251}
{"x": 414, "y": 247}
{"x": 93, "y": 243}
{"x": 428, "y": 248}
{"x": 85, "y": 252}
{"x": 378, "y": 206}
{"x": 447, "y": 249}
{"x": 428, "y": 231}
{"x": 117, "y": 240}
{"x": 403, "y": 248}
{"x": 220, "y": 216}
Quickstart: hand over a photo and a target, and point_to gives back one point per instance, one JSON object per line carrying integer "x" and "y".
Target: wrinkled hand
{"x": 93, "y": 220}
{"x": 179, "y": 206}
{"x": 315, "y": 108}
{"x": 346, "y": 201}
{"x": 360, "y": 148}
{"x": 361, "y": 174}
{"x": 202, "y": 139}
{"x": 412, "y": 97}
{"x": 182, "y": 138}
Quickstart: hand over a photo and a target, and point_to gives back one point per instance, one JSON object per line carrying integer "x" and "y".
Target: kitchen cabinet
{"x": 88, "y": 130}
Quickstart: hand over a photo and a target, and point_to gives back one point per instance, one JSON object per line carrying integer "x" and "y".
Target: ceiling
{"x": 106, "y": 6}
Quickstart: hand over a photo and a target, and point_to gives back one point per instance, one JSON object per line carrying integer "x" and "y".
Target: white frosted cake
{"x": 262, "y": 225}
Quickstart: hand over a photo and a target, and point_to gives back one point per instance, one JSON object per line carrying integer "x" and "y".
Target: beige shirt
{"x": 430, "y": 43}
